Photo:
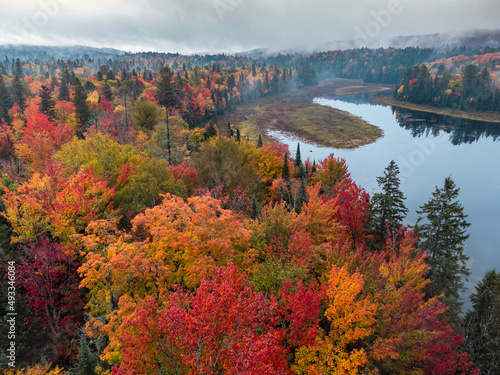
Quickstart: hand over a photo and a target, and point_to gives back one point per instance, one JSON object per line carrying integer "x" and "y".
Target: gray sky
{"x": 189, "y": 26}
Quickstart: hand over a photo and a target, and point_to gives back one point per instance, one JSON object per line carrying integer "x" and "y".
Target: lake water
{"x": 428, "y": 148}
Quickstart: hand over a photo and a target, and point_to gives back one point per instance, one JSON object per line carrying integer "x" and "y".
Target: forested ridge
{"x": 145, "y": 240}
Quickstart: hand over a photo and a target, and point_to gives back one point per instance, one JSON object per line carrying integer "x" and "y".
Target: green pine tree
{"x": 64, "y": 91}
{"x": 287, "y": 191}
{"x": 106, "y": 91}
{"x": 5, "y": 101}
{"x": 230, "y": 131}
{"x": 256, "y": 210}
{"x": 483, "y": 324}
{"x": 388, "y": 208}
{"x": 47, "y": 103}
{"x": 238, "y": 135}
{"x": 441, "y": 227}
{"x": 82, "y": 109}
{"x": 259, "y": 142}
{"x": 166, "y": 94}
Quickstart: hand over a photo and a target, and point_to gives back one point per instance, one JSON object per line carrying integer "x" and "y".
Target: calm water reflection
{"x": 428, "y": 148}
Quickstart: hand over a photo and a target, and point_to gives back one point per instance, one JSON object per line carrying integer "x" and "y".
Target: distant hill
{"x": 489, "y": 38}
{"x": 43, "y": 53}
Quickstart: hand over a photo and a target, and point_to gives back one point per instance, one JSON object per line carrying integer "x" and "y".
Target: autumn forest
{"x": 138, "y": 235}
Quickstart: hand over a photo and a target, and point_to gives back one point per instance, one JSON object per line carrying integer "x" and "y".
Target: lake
{"x": 428, "y": 148}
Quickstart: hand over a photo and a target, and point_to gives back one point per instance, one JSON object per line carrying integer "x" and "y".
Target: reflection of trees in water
{"x": 422, "y": 124}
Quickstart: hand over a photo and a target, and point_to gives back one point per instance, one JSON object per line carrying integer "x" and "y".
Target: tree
{"x": 5, "y": 101}
{"x": 64, "y": 91}
{"x": 146, "y": 115}
{"x": 259, "y": 142}
{"x": 441, "y": 227}
{"x": 106, "y": 91}
{"x": 48, "y": 272}
{"x": 483, "y": 324}
{"x": 388, "y": 209}
{"x": 351, "y": 316}
{"x": 47, "y": 103}
{"x": 227, "y": 328}
{"x": 82, "y": 109}
{"x": 166, "y": 93}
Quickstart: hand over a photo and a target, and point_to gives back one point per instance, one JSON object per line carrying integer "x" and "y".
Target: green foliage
{"x": 223, "y": 162}
{"x": 47, "y": 103}
{"x": 483, "y": 324}
{"x": 441, "y": 227}
{"x": 82, "y": 109}
{"x": 166, "y": 94}
{"x": 388, "y": 208}
{"x": 146, "y": 115}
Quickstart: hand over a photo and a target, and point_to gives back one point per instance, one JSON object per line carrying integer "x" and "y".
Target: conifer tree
{"x": 259, "y": 142}
{"x": 82, "y": 109}
{"x": 256, "y": 210}
{"x": 106, "y": 91}
{"x": 238, "y": 135}
{"x": 64, "y": 91}
{"x": 441, "y": 227}
{"x": 388, "y": 208}
{"x": 230, "y": 131}
{"x": 483, "y": 324}
{"x": 47, "y": 103}
{"x": 5, "y": 101}
{"x": 19, "y": 93}
{"x": 287, "y": 191}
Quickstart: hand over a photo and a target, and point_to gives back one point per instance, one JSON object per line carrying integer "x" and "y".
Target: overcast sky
{"x": 189, "y": 26}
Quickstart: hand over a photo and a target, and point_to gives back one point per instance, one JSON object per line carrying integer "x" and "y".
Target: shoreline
{"x": 492, "y": 117}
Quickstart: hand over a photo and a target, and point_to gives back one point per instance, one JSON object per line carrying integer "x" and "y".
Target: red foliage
{"x": 50, "y": 278}
{"x": 353, "y": 205}
{"x": 225, "y": 328}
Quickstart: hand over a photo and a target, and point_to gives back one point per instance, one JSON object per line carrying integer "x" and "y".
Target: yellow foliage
{"x": 93, "y": 98}
{"x": 37, "y": 370}
{"x": 352, "y": 318}
{"x": 400, "y": 90}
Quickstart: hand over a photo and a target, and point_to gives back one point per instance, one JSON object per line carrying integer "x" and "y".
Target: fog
{"x": 189, "y": 26}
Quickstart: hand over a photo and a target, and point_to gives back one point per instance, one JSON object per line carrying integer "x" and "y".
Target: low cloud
{"x": 189, "y": 26}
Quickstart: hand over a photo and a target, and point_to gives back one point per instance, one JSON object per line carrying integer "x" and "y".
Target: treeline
{"x": 472, "y": 90}
{"x": 204, "y": 92}
{"x": 380, "y": 65}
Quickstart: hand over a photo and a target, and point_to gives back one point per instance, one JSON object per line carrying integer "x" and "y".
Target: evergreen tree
{"x": 47, "y": 103}
{"x": 259, "y": 142}
{"x": 256, "y": 210}
{"x": 18, "y": 69}
{"x": 64, "y": 91}
{"x": 230, "y": 131}
{"x": 301, "y": 197}
{"x": 441, "y": 228}
{"x": 19, "y": 93}
{"x": 166, "y": 94}
{"x": 238, "y": 135}
{"x": 287, "y": 191}
{"x": 87, "y": 361}
{"x": 82, "y": 109}
{"x": 5, "y": 101}
{"x": 301, "y": 170}
{"x": 106, "y": 91}
{"x": 388, "y": 208}
{"x": 483, "y": 324}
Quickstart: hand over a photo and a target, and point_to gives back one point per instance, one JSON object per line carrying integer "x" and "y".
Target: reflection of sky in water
{"x": 425, "y": 161}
